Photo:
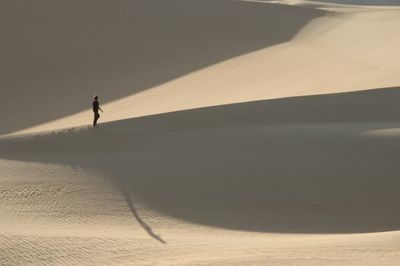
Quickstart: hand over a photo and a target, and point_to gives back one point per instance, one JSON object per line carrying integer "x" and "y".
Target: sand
{"x": 234, "y": 133}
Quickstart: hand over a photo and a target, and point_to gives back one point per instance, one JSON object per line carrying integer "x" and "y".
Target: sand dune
{"x": 335, "y": 52}
{"x": 58, "y": 54}
{"x": 363, "y": 2}
{"x": 235, "y": 133}
{"x": 231, "y": 162}
{"x": 191, "y": 177}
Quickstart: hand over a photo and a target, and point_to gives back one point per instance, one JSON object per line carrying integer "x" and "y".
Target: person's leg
{"x": 96, "y": 117}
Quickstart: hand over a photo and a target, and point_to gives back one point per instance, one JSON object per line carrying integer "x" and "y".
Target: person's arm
{"x": 101, "y": 109}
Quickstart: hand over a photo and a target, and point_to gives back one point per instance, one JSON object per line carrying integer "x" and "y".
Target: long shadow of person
{"x": 145, "y": 226}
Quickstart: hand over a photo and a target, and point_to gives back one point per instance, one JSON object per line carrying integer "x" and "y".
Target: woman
{"x": 96, "y": 108}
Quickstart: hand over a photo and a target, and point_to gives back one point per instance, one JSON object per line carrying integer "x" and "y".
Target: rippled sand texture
{"x": 234, "y": 133}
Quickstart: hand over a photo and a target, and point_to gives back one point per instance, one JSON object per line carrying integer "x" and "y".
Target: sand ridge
{"x": 281, "y": 150}
{"x": 334, "y": 52}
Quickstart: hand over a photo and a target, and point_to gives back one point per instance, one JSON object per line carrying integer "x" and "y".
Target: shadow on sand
{"x": 133, "y": 210}
{"x": 294, "y": 165}
{"x": 55, "y": 55}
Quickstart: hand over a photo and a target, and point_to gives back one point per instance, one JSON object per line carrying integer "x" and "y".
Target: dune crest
{"x": 234, "y": 133}
{"x": 337, "y": 51}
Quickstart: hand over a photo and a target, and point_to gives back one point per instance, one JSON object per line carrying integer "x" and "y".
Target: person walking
{"x": 96, "y": 108}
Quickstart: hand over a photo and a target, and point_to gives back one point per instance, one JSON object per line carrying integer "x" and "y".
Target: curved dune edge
{"x": 254, "y": 177}
{"x": 198, "y": 177}
{"x": 340, "y": 51}
{"x": 342, "y": 5}
{"x": 57, "y": 55}
{"x": 235, "y": 158}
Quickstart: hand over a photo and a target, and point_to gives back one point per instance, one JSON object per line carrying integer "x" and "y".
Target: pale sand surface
{"x": 333, "y": 52}
{"x": 281, "y": 149}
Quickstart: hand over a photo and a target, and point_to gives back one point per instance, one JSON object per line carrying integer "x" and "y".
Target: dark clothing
{"x": 96, "y": 117}
{"x": 96, "y": 107}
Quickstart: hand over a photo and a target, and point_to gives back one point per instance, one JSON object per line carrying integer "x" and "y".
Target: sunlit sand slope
{"x": 181, "y": 183}
{"x": 55, "y": 55}
{"x": 342, "y": 50}
{"x": 244, "y": 133}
